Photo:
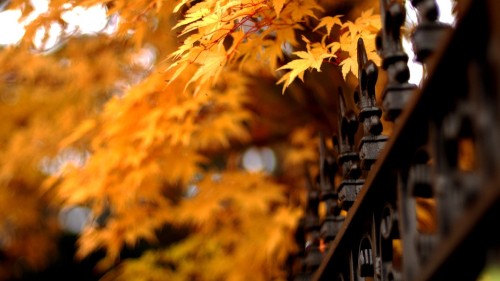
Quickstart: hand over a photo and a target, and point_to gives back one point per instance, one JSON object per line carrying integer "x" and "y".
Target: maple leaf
{"x": 328, "y": 23}
{"x": 278, "y": 6}
{"x": 83, "y": 129}
{"x": 310, "y": 59}
{"x": 364, "y": 27}
{"x": 349, "y": 65}
{"x": 209, "y": 23}
{"x": 153, "y": 133}
{"x": 211, "y": 65}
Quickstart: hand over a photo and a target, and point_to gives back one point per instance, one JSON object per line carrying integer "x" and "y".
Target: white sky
{"x": 445, "y": 15}
{"x": 10, "y": 31}
{"x": 80, "y": 20}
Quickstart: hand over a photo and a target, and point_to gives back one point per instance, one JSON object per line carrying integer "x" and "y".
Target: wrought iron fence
{"x": 441, "y": 159}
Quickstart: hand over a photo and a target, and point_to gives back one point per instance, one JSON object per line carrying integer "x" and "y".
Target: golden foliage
{"x": 310, "y": 59}
{"x": 304, "y": 148}
{"x": 86, "y": 125}
{"x": 222, "y": 33}
{"x": 161, "y": 134}
{"x": 229, "y": 222}
{"x": 366, "y": 27}
{"x": 40, "y": 104}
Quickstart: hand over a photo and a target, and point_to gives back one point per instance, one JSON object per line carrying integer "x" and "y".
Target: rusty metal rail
{"x": 442, "y": 158}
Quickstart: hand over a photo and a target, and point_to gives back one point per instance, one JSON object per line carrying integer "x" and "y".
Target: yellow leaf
{"x": 83, "y": 129}
{"x": 328, "y": 23}
{"x": 192, "y": 15}
{"x": 349, "y": 65}
{"x": 278, "y": 6}
{"x": 312, "y": 59}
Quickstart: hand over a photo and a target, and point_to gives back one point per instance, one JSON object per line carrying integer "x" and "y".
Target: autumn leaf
{"x": 328, "y": 23}
{"x": 310, "y": 59}
{"x": 278, "y": 6}
{"x": 168, "y": 102}
{"x": 209, "y": 24}
{"x": 349, "y": 65}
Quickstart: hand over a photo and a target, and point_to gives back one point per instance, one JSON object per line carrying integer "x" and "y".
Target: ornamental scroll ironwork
{"x": 420, "y": 204}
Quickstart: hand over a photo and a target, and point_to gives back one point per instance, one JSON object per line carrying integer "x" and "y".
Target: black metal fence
{"x": 424, "y": 203}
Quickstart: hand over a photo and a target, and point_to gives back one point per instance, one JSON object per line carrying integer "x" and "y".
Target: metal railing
{"x": 424, "y": 203}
